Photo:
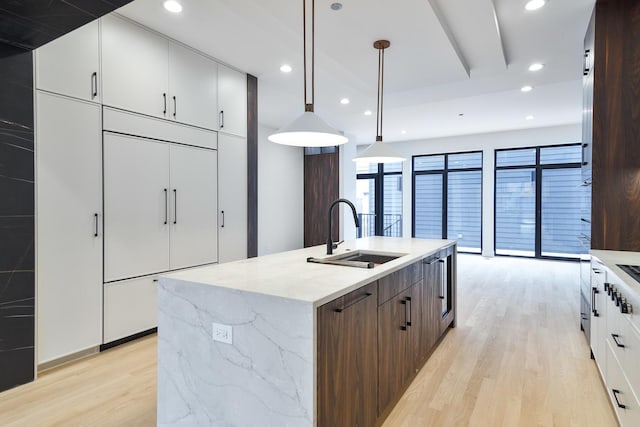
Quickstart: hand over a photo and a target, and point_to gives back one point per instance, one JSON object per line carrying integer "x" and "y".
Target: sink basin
{"x": 361, "y": 259}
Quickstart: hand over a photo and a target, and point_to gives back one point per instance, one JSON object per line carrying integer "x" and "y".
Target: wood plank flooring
{"x": 517, "y": 358}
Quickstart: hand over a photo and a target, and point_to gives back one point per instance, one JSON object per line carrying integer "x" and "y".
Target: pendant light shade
{"x": 308, "y": 130}
{"x": 378, "y": 152}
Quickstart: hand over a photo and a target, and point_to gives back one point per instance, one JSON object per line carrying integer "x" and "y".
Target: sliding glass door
{"x": 379, "y": 199}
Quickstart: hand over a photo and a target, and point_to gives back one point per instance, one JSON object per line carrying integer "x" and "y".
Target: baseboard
{"x": 67, "y": 359}
{"x": 125, "y": 340}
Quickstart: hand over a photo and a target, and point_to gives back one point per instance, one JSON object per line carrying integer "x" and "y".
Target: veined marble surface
{"x": 289, "y": 275}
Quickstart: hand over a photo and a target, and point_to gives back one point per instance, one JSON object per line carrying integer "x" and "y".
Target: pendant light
{"x": 378, "y": 152}
{"x": 308, "y": 130}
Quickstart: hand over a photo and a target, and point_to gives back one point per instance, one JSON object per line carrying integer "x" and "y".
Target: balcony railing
{"x": 391, "y": 225}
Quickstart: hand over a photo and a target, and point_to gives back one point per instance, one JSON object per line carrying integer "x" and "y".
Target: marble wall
{"x": 17, "y": 259}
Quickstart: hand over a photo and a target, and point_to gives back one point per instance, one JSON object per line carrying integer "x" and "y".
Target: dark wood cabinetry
{"x": 348, "y": 359}
{"x": 431, "y": 319}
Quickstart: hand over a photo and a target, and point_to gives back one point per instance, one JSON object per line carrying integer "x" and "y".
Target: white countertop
{"x": 289, "y": 275}
{"x": 611, "y": 258}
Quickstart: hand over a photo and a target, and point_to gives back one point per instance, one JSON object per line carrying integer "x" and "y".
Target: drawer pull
{"x": 354, "y": 302}
{"x": 615, "y": 340}
{"x": 615, "y": 396}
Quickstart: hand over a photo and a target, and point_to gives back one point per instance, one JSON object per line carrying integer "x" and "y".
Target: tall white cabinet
{"x": 233, "y": 201}
{"x": 232, "y": 101}
{"x": 69, "y": 225}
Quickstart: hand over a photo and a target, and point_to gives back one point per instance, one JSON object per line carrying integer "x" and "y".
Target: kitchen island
{"x": 279, "y": 341}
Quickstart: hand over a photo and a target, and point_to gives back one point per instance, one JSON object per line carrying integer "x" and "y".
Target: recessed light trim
{"x": 368, "y": 113}
{"x": 286, "y": 68}
{"x": 529, "y": 117}
{"x": 535, "y": 4}
{"x": 404, "y": 132}
{"x": 526, "y": 88}
{"x": 344, "y": 101}
{"x": 336, "y": 6}
{"x": 536, "y": 66}
{"x": 173, "y": 6}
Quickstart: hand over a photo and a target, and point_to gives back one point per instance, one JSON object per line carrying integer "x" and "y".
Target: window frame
{"x": 378, "y": 179}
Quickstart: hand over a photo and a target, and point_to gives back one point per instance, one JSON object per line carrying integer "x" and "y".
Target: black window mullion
{"x": 538, "y": 244}
{"x": 445, "y": 195}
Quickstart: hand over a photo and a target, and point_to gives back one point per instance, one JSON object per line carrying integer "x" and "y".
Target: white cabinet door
{"x": 193, "y": 207}
{"x": 232, "y": 101}
{"x": 130, "y": 307}
{"x": 192, "y": 87}
{"x": 70, "y": 65}
{"x": 69, "y": 242}
{"x": 135, "y": 68}
{"x": 136, "y": 206}
{"x": 233, "y": 197}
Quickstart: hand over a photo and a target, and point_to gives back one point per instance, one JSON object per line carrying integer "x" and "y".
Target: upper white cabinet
{"x": 135, "y": 68}
{"x": 136, "y": 195}
{"x": 192, "y": 87}
{"x": 69, "y": 224}
{"x": 70, "y": 65}
{"x": 233, "y": 197}
{"x": 232, "y": 101}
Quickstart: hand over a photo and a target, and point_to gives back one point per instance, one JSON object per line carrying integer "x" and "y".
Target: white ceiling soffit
{"x": 446, "y": 57}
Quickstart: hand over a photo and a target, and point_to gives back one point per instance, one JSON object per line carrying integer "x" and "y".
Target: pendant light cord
{"x": 380, "y": 93}
{"x": 308, "y": 106}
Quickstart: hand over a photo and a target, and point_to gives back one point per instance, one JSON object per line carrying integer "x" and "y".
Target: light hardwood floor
{"x": 517, "y": 358}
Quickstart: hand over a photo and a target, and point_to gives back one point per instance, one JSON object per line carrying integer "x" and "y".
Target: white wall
{"x": 280, "y": 195}
{"x": 487, "y": 143}
{"x": 347, "y": 188}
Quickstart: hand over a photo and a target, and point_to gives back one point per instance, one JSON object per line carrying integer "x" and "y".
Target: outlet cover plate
{"x": 222, "y": 333}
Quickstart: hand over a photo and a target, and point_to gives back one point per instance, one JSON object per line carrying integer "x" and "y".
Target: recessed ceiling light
{"x": 173, "y": 6}
{"x": 336, "y": 6}
{"x": 526, "y": 88}
{"x": 536, "y": 66}
{"x": 535, "y": 4}
{"x": 403, "y": 131}
{"x": 286, "y": 68}
{"x": 368, "y": 113}
{"x": 344, "y": 101}
{"x": 460, "y": 114}
{"x": 529, "y": 117}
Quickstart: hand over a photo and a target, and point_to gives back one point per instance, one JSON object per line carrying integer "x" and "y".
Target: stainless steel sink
{"x": 359, "y": 258}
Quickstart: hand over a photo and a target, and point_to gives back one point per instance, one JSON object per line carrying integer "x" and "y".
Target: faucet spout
{"x": 329, "y": 223}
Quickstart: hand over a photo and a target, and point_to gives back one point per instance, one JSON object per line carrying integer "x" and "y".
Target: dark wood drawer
{"x": 396, "y": 282}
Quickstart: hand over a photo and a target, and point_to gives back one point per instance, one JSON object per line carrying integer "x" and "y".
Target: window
{"x": 379, "y": 199}
{"x": 538, "y": 201}
{"x": 447, "y": 200}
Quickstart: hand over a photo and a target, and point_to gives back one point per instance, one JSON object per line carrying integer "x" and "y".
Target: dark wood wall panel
{"x": 252, "y": 166}
{"x": 321, "y": 187}
{"x": 616, "y": 127}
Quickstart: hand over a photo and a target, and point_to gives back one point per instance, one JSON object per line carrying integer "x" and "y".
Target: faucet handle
{"x": 335, "y": 245}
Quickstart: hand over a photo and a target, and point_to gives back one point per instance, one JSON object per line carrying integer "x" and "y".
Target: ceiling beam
{"x": 454, "y": 44}
{"x": 499, "y": 33}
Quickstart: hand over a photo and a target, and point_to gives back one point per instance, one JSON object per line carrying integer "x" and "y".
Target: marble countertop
{"x": 289, "y": 275}
{"x": 611, "y": 258}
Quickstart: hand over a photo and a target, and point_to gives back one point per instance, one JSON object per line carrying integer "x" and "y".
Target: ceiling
{"x": 447, "y": 58}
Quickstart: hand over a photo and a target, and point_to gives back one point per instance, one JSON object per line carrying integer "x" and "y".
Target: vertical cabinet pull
{"x": 166, "y": 207}
{"x": 94, "y": 85}
{"x": 175, "y": 206}
{"x": 442, "y": 280}
{"x": 594, "y": 309}
{"x": 221, "y": 119}
{"x": 404, "y": 325}
{"x": 409, "y": 305}
{"x": 175, "y": 107}
{"x": 615, "y": 340}
{"x": 222, "y": 226}
{"x": 95, "y": 220}
{"x": 616, "y": 392}
{"x": 164, "y": 98}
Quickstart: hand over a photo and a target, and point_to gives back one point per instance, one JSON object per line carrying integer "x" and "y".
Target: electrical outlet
{"x": 222, "y": 333}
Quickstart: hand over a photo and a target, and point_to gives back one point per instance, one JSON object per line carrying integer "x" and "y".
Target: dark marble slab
{"x": 30, "y": 24}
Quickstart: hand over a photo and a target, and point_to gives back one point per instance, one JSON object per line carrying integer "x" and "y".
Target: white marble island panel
{"x": 266, "y": 377}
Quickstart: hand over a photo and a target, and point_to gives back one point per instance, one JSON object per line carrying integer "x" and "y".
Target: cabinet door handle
{"x": 409, "y": 305}
{"x": 354, "y": 302}
{"x": 94, "y": 85}
{"x": 222, "y": 226}
{"x": 164, "y": 97}
{"x": 616, "y": 392}
{"x": 404, "y": 325}
{"x": 433, "y": 261}
{"x": 615, "y": 340}
{"x": 175, "y": 206}
{"x": 594, "y": 309}
{"x": 221, "y": 119}
{"x": 95, "y": 218}
{"x": 586, "y": 63}
{"x": 175, "y": 107}
{"x": 166, "y": 207}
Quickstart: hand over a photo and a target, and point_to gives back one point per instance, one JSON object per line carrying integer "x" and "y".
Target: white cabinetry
{"x": 598, "y": 310}
{"x": 130, "y": 307}
{"x": 70, "y": 65}
{"x": 192, "y": 87}
{"x": 134, "y": 68}
{"x": 160, "y": 206}
{"x": 232, "y": 101}
{"x": 69, "y": 230}
{"x": 233, "y": 197}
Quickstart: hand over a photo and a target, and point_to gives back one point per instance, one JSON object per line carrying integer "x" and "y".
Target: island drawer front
{"x": 130, "y": 307}
{"x": 396, "y": 282}
{"x": 352, "y": 297}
